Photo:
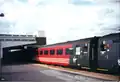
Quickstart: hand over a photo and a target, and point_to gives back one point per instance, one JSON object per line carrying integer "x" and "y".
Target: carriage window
{"x": 78, "y": 49}
{"x": 69, "y": 51}
{"x": 85, "y": 48}
{"x": 103, "y": 46}
{"x": 60, "y": 51}
{"x": 115, "y": 41}
{"x": 41, "y": 52}
{"x": 52, "y": 52}
{"x": 46, "y": 52}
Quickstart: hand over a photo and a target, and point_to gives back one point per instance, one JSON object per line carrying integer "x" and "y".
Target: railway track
{"x": 82, "y": 72}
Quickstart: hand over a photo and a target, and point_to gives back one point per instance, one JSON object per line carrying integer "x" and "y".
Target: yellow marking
{"x": 85, "y": 67}
{"x": 102, "y": 69}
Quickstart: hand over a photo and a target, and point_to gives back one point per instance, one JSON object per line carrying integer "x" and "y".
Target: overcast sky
{"x": 62, "y": 20}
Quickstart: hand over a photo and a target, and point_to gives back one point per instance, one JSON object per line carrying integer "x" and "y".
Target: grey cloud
{"x": 4, "y": 24}
{"x": 80, "y": 2}
{"x": 115, "y": 27}
{"x": 24, "y": 1}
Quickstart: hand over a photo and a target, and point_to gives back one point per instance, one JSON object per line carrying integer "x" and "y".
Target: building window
{"x": 16, "y": 39}
{"x": 23, "y": 35}
{"x": 32, "y": 40}
{"x": 15, "y": 35}
{"x": 60, "y": 51}
{"x": 46, "y": 52}
{"x": 1, "y": 39}
{"x": 8, "y": 35}
{"x": 52, "y": 52}
{"x": 41, "y": 52}
{"x": 8, "y": 39}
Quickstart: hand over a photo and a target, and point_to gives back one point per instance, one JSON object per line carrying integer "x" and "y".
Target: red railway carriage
{"x": 55, "y": 54}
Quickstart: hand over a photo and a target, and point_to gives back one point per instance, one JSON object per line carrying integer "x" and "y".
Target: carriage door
{"x": 83, "y": 58}
{"x": 76, "y": 55}
{"x": 93, "y": 56}
{"x": 81, "y": 55}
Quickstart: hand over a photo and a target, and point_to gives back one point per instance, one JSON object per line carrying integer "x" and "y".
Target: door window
{"x": 104, "y": 46}
{"x": 78, "y": 49}
{"x": 85, "y": 48}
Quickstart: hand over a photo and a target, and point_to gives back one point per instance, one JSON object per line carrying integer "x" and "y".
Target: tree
{"x": 1, "y": 14}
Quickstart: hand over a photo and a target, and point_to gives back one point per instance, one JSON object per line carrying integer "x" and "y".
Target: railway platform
{"x": 35, "y": 72}
{"x": 26, "y": 72}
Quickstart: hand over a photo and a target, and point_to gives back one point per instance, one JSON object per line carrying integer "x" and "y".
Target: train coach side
{"x": 85, "y": 53}
{"x": 95, "y": 53}
{"x": 109, "y": 53}
{"x": 55, "y": 54}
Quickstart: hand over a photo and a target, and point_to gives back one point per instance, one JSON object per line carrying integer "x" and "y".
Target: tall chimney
{"x": 41, "y": 39}
{"x": 41, "y": 33}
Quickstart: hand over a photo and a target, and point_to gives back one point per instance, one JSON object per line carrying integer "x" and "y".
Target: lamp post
{"x": 1, "y": 15}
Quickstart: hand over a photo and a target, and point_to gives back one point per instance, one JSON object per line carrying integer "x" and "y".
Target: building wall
{"x": 41, "y": 40}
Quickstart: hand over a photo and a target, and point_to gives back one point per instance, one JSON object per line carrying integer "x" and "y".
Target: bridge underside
{"x": 21, "y": 53}
{"x": 15, "y": 48}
